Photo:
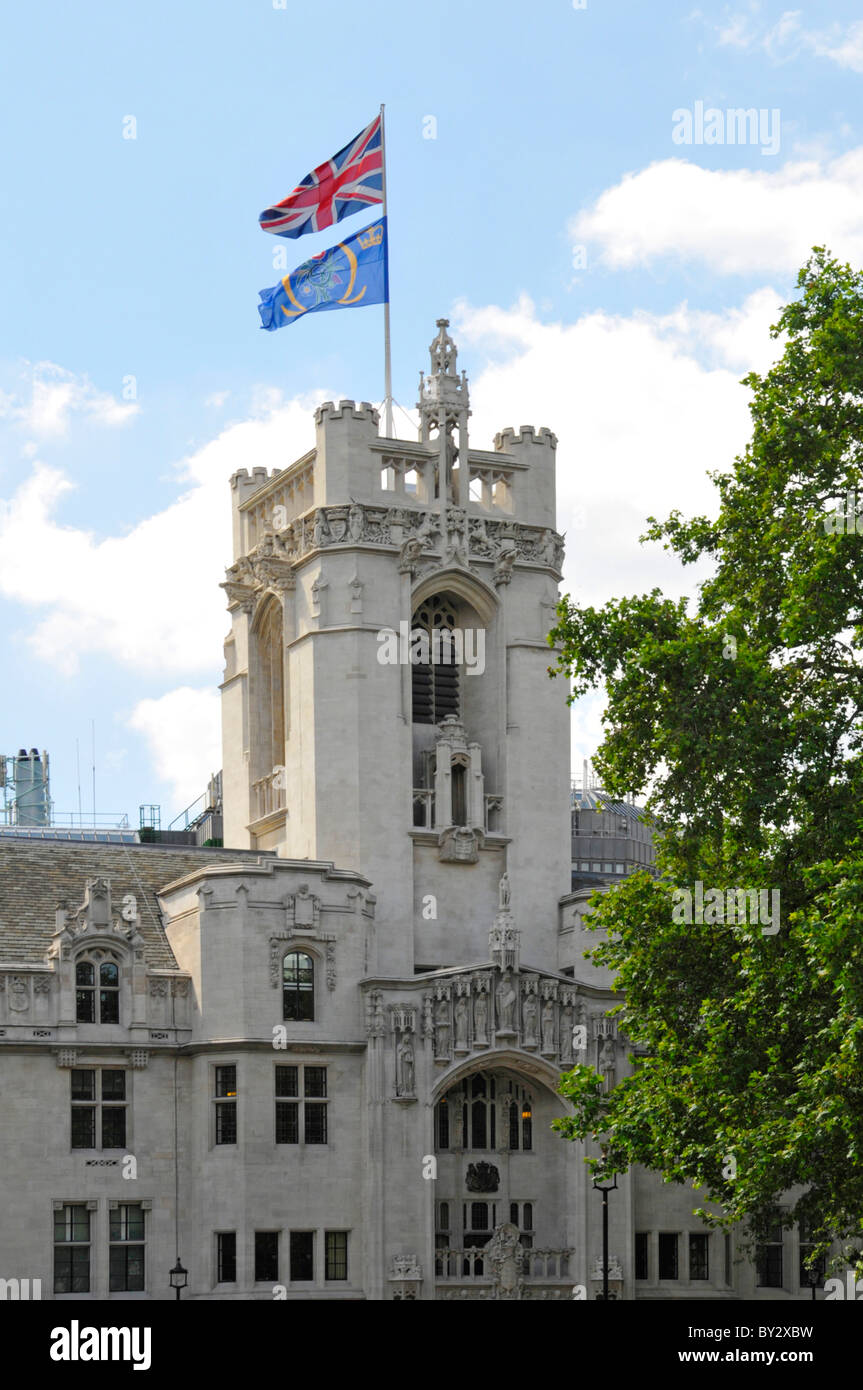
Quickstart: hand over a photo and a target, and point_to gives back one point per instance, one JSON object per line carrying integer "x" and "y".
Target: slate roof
{"x": 35, "y": 875}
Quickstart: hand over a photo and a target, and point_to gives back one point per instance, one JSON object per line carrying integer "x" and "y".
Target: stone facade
{"x": 322, "y": 1063}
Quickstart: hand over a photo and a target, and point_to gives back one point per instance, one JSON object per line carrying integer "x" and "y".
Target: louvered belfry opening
{"x": 435, "y": 686}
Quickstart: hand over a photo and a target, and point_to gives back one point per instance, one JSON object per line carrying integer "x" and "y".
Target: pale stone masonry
{"x": 322, "y": 1062}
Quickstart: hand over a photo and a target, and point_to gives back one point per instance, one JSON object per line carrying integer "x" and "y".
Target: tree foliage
{"x": 744, "y": 720}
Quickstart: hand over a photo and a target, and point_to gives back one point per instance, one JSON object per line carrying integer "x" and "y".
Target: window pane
{"x": 85, "y": 1006}
{"x": 226, "y": 1123}
{"x": 109, "y": 975}
{"x": 513, "y": 1213}
{"x": 127, "y": 1222}
{"x": 337, "y": 1255}
{"x": 479, "y": 1216}
{"x": 443, "y": 1125}
{"x": 315, "y": 1081}
{"x": 287, "y": 1122}
{"x": 698, "y": 1256}
{"x": 84, "y": 973}
{"x": 641, "y": 1254}
{"x": 527, "y": 1134}
{"x": 302, "y": 1255}
{"x": 83, "y": 1127}
{"x": 226, "y": 1248}
{"x": 83, "y": 1085}
{"x": 109, "y": 1006}
{"x": 528, "y": 1216}
{"x": 72, "y": 1223}
{"x": 477, "y": 1124}
{"x": 316, "y": 1123}
{"x": 71, "y": 1269}
{"x": 667, "y": 1256}
{"x": 113, "y": 1085}
{"x": 226, "y": 1081}
{"x": 126, "y": 1268}
{"x": 287, "y": 1081}
{"x": 267, "y": 1256}
{"x": 113, "y": 1127}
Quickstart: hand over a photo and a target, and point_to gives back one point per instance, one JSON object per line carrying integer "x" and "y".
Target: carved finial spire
{"x": 444, "y": 408}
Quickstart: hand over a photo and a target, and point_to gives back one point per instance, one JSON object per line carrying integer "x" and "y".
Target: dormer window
{"x": 97, "y": 992}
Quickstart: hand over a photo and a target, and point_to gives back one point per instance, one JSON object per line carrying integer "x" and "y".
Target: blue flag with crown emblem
{"x": 352, "y": 273}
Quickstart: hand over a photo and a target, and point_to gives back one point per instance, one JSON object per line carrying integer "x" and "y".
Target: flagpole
{"x": 388, "y": 365}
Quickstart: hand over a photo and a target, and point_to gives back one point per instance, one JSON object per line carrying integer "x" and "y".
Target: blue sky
{"x": 134, "y": 265}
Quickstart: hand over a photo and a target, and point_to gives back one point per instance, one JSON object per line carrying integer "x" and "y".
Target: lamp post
{"x": 814, "y": 1276}
{"x": 605, "y": 1188}
{"x": 179, "y": 1278}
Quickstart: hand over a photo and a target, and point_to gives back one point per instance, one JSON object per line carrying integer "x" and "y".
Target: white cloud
{"x": 183, "y": 732}
{"x": 788, "y": 38}
{"x": 642, "y": 406}
{"x": 735, "y": 221}
{"x": 217, "y": 399}
{"x": 51, "y": 395}
{"x": 148, "y": 599}
{"x": 630, "y": 399}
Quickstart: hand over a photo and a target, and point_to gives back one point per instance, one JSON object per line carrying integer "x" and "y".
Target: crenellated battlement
{"x": 363, "y": 411}
{"x": 526, "y": 435}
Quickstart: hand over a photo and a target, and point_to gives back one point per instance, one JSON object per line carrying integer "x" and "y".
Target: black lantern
{"x": 179, "y": 1277}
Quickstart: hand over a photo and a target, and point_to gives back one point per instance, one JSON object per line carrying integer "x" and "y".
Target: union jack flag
{"x": 345, "y": 184}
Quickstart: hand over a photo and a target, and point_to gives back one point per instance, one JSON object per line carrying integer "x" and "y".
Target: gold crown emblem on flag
{"x": 372, "y": 237}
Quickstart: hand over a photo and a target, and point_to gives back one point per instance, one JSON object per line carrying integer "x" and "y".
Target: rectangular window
{"x": 126, "y": 1249}
{"x": 94, "y": 1090}
{"x": 226, "y": 1257}
{"x": 769, "y": 1260}
{"x": 641, "y": 1254}
{"x": 226, "y": 1105}
{"x": 72, "y": 1249}
{"x": 312, "y": 1124}
{"x": 316, "y": 1124}
{"x": 267, "y": 1257}
{"x": 698, "y": 1266}
{"x": 667, "y": 1256}
{"x": 302, "y": 1256}
{"x": 337, "y": 1254}
{"x": 728, "y": 1258}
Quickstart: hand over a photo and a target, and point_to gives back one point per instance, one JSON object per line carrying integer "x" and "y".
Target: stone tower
{"x": 434, "y": 777}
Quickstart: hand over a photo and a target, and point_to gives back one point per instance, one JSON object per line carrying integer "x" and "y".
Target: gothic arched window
{"x": 434, "y": 681}
{"x": 92, "y": 980}
{"x": 298, "y": 987}
{"x": 268, "y": 706}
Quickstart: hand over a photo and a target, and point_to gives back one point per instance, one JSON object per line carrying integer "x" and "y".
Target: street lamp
{"x": 605, "y": 1188}
{"x": 814, "y": 1276}
{"x": 179, "y": 1277}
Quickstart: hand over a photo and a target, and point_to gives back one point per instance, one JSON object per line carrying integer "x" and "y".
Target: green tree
{"x": 743, "y": 720}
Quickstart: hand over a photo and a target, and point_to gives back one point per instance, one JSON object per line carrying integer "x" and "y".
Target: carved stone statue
{"x": 461, "y": 1017}
{"x": 607, "y": 1060}
{"x": 548, "y": 1026}
{"x": 480, "y": 1018}
{"x": 566, "y": 1026}
{"x": 405, "y": 1066}
{"x": 529, "y": 1015}
{"x": 503, "y": 892}
{"x": 442, "y": 1028}
{"x": 505, "y": 1004}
